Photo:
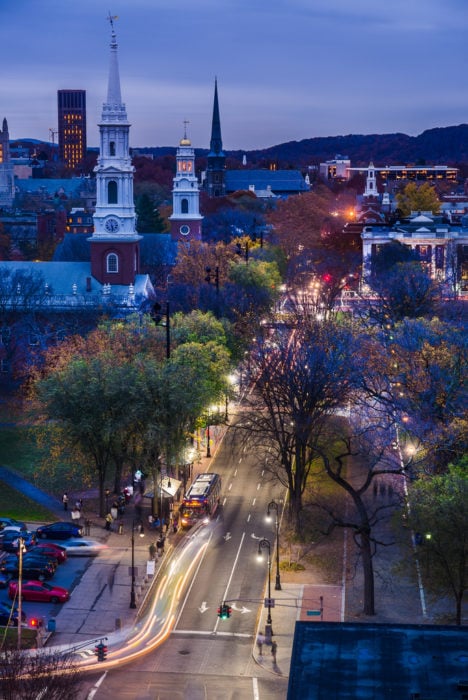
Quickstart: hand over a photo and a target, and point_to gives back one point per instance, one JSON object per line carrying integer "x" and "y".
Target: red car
{"x": 39, "y": 591}
{"x": 55, "y": 551}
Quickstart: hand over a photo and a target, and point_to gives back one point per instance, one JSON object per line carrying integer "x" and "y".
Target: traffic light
{"x": 101, "y": 651}
{"x": 224, "y": 611}
{"x": 156, "y": 313}
{"x": 35, "y": 622}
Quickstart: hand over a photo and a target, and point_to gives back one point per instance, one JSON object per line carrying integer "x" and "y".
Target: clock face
{"x": 111, "y": 225}
{"x": 185, "y": 230}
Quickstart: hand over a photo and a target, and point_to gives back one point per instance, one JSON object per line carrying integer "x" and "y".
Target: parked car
{"x": 54, "y": 551}
{"x": 83, "y": 548}
{"x": 31, "y": 570}
{"x": 4, "y": 579}
{"x": 7, "y": 522}
{"x": 39, "y": 591}
{"x": 10, "y": 615}
{"x": 59, "y": 531}
{"x": 10, "y": 540}
{"x": 29, "y": 558}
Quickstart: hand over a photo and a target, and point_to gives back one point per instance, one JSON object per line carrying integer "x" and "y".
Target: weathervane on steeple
{"x": 186, "y": 121}
{"x": 111, "y": 19}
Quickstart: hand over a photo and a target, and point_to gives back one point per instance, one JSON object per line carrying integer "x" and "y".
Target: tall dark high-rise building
{"x": 71, "y": 126}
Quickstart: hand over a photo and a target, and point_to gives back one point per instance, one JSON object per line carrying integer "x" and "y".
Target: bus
{"x": 201, "y": 499}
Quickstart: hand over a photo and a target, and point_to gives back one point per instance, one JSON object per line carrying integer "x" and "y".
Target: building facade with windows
{"x": 7, "y": 186}
{"x": 71, "y": 105}
{"x": 441, "y": 247}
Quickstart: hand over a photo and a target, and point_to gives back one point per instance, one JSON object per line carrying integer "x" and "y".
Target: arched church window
{"x": 112, "y": 262}
{"x": 184, "y": 206}
{"x": 112, "y": 148}
{"x": 112, "y": 192}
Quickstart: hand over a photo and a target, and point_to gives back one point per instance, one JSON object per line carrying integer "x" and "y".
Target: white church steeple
{"x": 185, "y": 218}
{"x": 115, "y": 243}
{"x": 371, "y": 183}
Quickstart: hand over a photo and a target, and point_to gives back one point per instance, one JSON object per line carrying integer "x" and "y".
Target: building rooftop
{"x": 378, "y": 661}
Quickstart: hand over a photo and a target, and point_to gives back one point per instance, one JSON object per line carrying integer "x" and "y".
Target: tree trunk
{"x": 368, "y": 571}
{"x": 458, "y": 618}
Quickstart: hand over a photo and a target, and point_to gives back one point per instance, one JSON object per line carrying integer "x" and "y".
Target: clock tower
{"x": 115, "y": 255}
{"x": 186, "y": 218}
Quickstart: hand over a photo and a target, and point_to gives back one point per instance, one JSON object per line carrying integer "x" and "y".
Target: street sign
{"x": 269, "y": 603}
{"x": 313, "y": 612}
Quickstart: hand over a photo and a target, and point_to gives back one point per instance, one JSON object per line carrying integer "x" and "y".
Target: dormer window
{"x": 112, "y": 263}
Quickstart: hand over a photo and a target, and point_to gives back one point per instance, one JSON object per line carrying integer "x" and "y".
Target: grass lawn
{"x": 13, "y": 504}
{"x": 19, "y": 452}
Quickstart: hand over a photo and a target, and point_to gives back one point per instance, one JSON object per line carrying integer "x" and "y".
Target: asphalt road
{"x": 206, "y": 657}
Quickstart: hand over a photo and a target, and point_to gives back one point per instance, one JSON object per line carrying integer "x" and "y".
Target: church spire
{"x": 215, "y": 177}
{"x": 216, "y": 143}
{"x": 113, "y": 109}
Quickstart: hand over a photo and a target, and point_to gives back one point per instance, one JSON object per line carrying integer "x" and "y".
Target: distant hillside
{"x": 445, "y": 145}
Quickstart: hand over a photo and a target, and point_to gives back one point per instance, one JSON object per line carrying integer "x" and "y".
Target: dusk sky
{"x": 287, "y": 69}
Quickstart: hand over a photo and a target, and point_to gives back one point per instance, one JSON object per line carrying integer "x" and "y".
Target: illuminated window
{"x": 112, "y": 263}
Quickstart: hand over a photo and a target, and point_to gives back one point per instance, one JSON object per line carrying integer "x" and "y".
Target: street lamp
{"x": 208, "y": 438}
{"x": 262, "y": 545}
{"x": 132, "y": 591}
{"x": 162, "y": 510}
{"x": 273, "y": 505}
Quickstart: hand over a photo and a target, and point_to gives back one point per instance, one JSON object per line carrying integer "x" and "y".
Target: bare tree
{"x": 359, "y": 458}
{"x": 303, "y": 375}
{"x": 32, "y": 674}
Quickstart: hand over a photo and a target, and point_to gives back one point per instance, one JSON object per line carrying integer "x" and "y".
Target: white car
{"x": 83, "y": 548}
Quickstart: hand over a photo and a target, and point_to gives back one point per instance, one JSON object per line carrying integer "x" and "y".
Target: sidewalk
{"x": 292, "y": 603}
{"x": 100, "y": 604}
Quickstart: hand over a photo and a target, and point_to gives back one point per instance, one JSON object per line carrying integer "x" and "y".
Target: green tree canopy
{"x": 418, "y": 198}
{"x": 440, "y": 516}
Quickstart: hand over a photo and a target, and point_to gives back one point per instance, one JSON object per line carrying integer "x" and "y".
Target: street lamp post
{"x": 273, "y": 505}
{"x": 208, "y": 438}
{"x": 21, "y": 549}
{"x": 264, "y": 543}
{"x": 132, "y": 590}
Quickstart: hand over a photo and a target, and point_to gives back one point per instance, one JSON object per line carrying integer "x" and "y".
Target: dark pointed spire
{"x": 216, "y": 143}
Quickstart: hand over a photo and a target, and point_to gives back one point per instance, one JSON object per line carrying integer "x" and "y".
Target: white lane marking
{"x": 232, "y": 574}
{"x": 194, "y": 577}
{"x": 230, "y": 486}
{"x": 235, "y": 472}
{"x": 248, "y": 518}
{"x": 256, "y": 694}
{"x": 253, "y": 502}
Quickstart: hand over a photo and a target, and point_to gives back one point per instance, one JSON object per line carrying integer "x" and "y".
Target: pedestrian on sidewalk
{"x": 65, "y": 501}
{"x": 274, "y": 648}
{"x": 152, "y": 551}
{"x": 111, "y": 579}
{"x": 109, "y": 521}
{"x": 160, "y": 546}
{"x": 260, "y": 643}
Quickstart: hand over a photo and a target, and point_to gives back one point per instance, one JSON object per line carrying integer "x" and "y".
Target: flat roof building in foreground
{"x": 332, "y": 660}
